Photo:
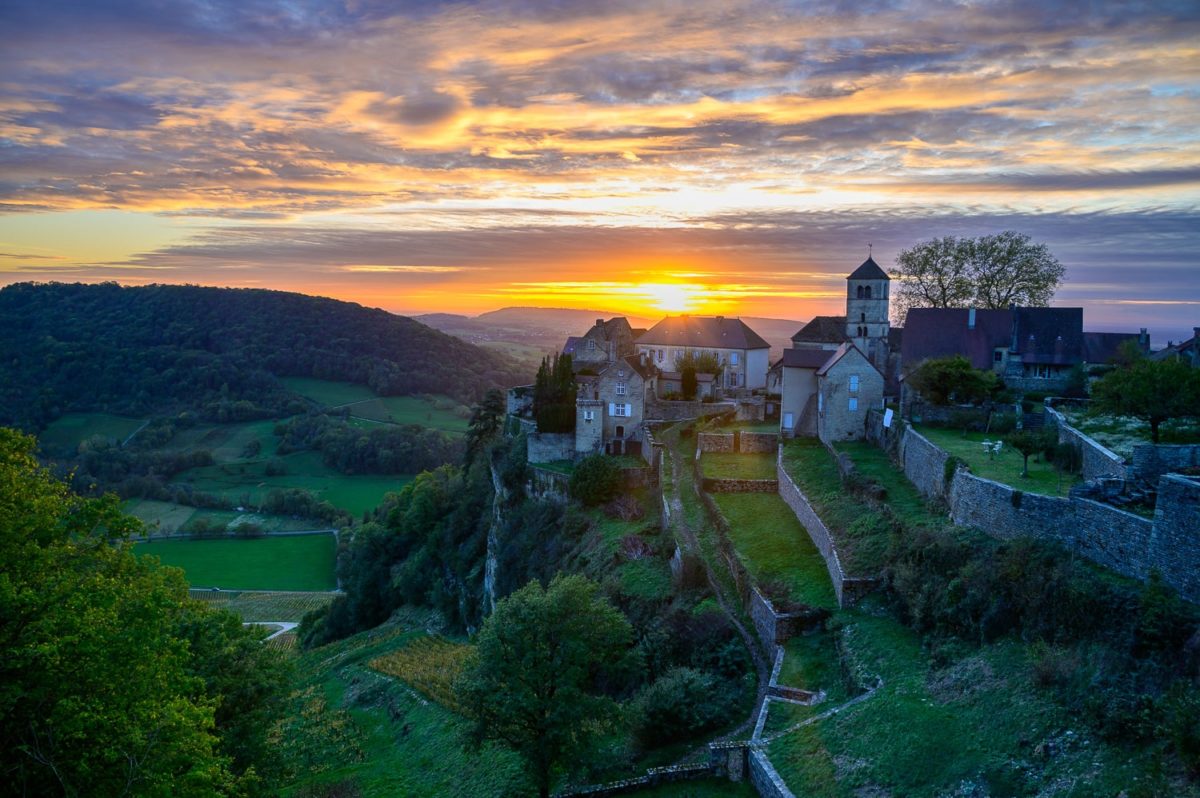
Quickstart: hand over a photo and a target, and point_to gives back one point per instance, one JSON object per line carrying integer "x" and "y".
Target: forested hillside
{"x": 145, "y": 350}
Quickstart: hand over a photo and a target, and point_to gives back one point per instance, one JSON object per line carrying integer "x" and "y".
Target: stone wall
{"x": 716, "y": 485}
{"x": 518, "y": 400}
{"x": 549, "y": 485}
{"x": 1177, "y": 534}
{"x": 715, "y": 441}
{"x": 547, "y": 447}
{"x": 1003, "y": 512}
{"x": 1149, "y": 462}
{"x": 765, "y": 778}
{"x": 821, "y": 538}
{"x": 667, "y": 410}
{"x": 924, "y": 464}
{"x": 1097, "y": 460}
{"x": 774, "y": 627}
{"x": 757, "y": 442}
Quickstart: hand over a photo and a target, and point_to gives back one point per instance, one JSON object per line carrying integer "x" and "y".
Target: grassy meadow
{"x": 432, "y": 412}
{"x": 168, "y": 518}
{"x": 293, "y": 562}
{"x": 65, "y": 433}
{"x": 733, "y": 465}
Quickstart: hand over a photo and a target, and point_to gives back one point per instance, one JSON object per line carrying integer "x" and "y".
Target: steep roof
{"x": 1102, "y": 347}
{"x": 841, "y": 352}
{"x": 633, "y": 363}
{"x": 572, "y": 344}
{"x": 941, "y": 332}
{"x": 823, "y": 330}
{"x": 703, "y": 332}
{"x": 1049, "y": 335}
{"x": 869, "y": 270}
{"x": 803, "y": 358}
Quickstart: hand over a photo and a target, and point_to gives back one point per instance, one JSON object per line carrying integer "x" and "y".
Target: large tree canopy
{"x": 530, "y": 683}
{"x": 987, "y": 272}
{"x": 1151, "y": 390}
{"x": 112, "y": 681}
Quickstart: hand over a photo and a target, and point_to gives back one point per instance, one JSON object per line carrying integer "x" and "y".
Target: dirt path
{"x": 692, "y": 544}
{"x": 287, "y": 627}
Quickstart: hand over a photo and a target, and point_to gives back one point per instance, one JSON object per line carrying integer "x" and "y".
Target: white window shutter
{"x": 612, "y": 409}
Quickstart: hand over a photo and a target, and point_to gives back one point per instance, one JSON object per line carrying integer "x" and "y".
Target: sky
{"x": 640, "y": 157}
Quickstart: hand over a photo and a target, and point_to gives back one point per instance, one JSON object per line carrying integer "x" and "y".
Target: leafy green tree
{"x": 691, "y": 363}
{"x": 988, "y": 272}
{"x": 595, "y": 480}
{"x": 945, "y": 379}
{"x": 689, "y": 385}
{"x": 1030, "y": 442}
{"x": 530, "y": 682}
{"x": 101, "y": 690}
{"x": 1152, "y": 390}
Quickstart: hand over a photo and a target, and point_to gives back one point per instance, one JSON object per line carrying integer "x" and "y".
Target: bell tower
{"x": 867, "y": 322}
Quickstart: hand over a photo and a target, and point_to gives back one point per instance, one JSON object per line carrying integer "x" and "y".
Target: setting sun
{"x": 670, "y": 297}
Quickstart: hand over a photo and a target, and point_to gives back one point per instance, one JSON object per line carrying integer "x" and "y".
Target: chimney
{"x": 971, "y": 319}
{"x": 599, "y": 322}
{"x": 1144, "y": 340}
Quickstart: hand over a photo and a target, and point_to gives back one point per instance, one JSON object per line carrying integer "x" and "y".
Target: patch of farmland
{"x": 257, "y": 607}
{"x": 167, "y": 518}
{"x": 65, "y": 433}
{"x": 294, "y": 562}
{"x": 328, "y": 392}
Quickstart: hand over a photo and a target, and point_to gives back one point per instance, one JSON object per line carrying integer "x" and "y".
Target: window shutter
{"x": 612, "y": 409}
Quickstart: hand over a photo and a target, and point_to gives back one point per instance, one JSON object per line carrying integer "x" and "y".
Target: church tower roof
{"x": 869, "y": 270}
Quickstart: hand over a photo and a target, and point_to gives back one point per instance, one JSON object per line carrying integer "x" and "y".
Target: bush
{"x": 680, "y": 704}
{"x": 596, "y": 479}
{"x": 625, "y": 507}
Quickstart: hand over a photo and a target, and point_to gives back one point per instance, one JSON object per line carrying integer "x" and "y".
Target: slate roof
{"x": 869, "y": 270}
{"x": 803, "y": 358}
{"x": 634, "y": 363}
{"x": 941, "y": 332}
{"x": 841, "y": 352}
{"x": 1101, "y": 347}
{"x": 823, "y": 330}
{"x": 703, "y": 332}
{"x": 572, "y": 343}
{"x": 1049, "y": 335}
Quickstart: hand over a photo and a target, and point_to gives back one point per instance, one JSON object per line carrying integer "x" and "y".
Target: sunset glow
{"x": 708, "y": 157}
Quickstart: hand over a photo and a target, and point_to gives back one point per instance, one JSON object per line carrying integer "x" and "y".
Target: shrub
{"x": 681, "y": 703}
{"x": 596, "y": 479}
{"x": 948, "y": 470}
{"x": 625, "y": 507}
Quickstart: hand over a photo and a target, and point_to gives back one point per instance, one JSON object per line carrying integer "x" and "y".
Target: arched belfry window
{"x": 859, "y": 294}
{"x": 867, "y": 292}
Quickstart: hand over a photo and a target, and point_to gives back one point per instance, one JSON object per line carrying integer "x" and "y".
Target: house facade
{"x": 848, "y": 386}
{"x": 611, "y": 406}
{"x": 1188, "y": 351}
{"x": 742, "y": 352}
{"x": 604, "y": 343}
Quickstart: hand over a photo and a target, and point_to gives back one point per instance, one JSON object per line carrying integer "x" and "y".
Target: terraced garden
{"x": 734, "y": 465}
{"x": 1005, "y": 467}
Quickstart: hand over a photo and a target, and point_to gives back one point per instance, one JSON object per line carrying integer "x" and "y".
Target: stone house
{"x": 604, "y": 343}
{"x": 611, "y": 405}
{"x": 848, "y": 386}
{"x": 1187, "y": 351}
{"x": 742, "y": 352}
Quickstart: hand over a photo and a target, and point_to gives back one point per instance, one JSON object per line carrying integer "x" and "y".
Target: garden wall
{"x": 1177, "y": 534}
{"x": 765, "y": 778}
{"x": 1149, "y": 462}
{"x": 776, "y": 628}
{"x": 715, "y": 485}
{"x": 758, "y": 442}
{"x": 545, "y": 484}
{"x": 547, "y": 447}
{"x": 669, "y": 410}
{"x": 715, "y": 441}
{"x": 924, "y": 464}
{"x": 1098, "y": 461}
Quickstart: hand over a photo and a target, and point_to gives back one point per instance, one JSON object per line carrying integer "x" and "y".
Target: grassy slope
{"x": 298, "y": 562}
{"x": 1004, "y": 467}
{"x": 731, "y": 465}
{"x": 282, "y": 606}
{"x": 167, "y": 517}
{"x": 437, "y": 413}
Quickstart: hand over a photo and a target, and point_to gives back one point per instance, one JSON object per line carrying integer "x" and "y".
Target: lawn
{"x": 65, "y": 433}
{"x": 1005, "y": 467}
{"x": 247, "y": 482}
{"x": 860, "y": 530}
{"x": 1121, "y": 433}
{"x": 294, "y": 562}
{"x": 258, "y": 607}
{"x": 905, "y": 501}
{"x": 775, "y": 547}
{"x": 168, "y": 517}
{"x": 731, "y": 465}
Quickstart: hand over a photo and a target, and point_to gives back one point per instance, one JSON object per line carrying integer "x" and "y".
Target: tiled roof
{"x": 941, "y": 332}
{"x": 823, "y": 330}
{"x": 703, "y": 332}
{"x": 869, "y": 270}
{"x": 1101, "y": 347}
{"x": 634, "y": 363}
{"x": 804, "y": 358}
{"x": 841, "y": 352}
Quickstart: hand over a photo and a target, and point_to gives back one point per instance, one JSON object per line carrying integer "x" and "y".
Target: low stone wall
{"x": 547, "y": 447}
{"x": 667, "y": 410}
{"x": 550, "y": 485}
{"x": 924, "y": 464}
{"x": 715, "y": 441}
{"x": 776, "y": 628}
{"x": 653, "y": 778}
{"x": 1177, "y": 534}
{"x": 1150, "y": 461}
{"x": 848, "y": 589}
{"x": 719, "y": 485}
{"x": 758, "y": 442}
{"x": 1003, "y": 512}
{"x": 1097, "y": 461}
{"x": 765, "y": 778}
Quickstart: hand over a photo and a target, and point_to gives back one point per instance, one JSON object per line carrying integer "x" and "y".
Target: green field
{"x": 248, "y": 483}
{"x": 168, "y": 517}
{"x": 295, "y": 562}
{"x": 439, "y": 412}
{"x": 732, "y": 465}
{"x": 65, "y": 433}
{"x": 1004, "y": 467}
